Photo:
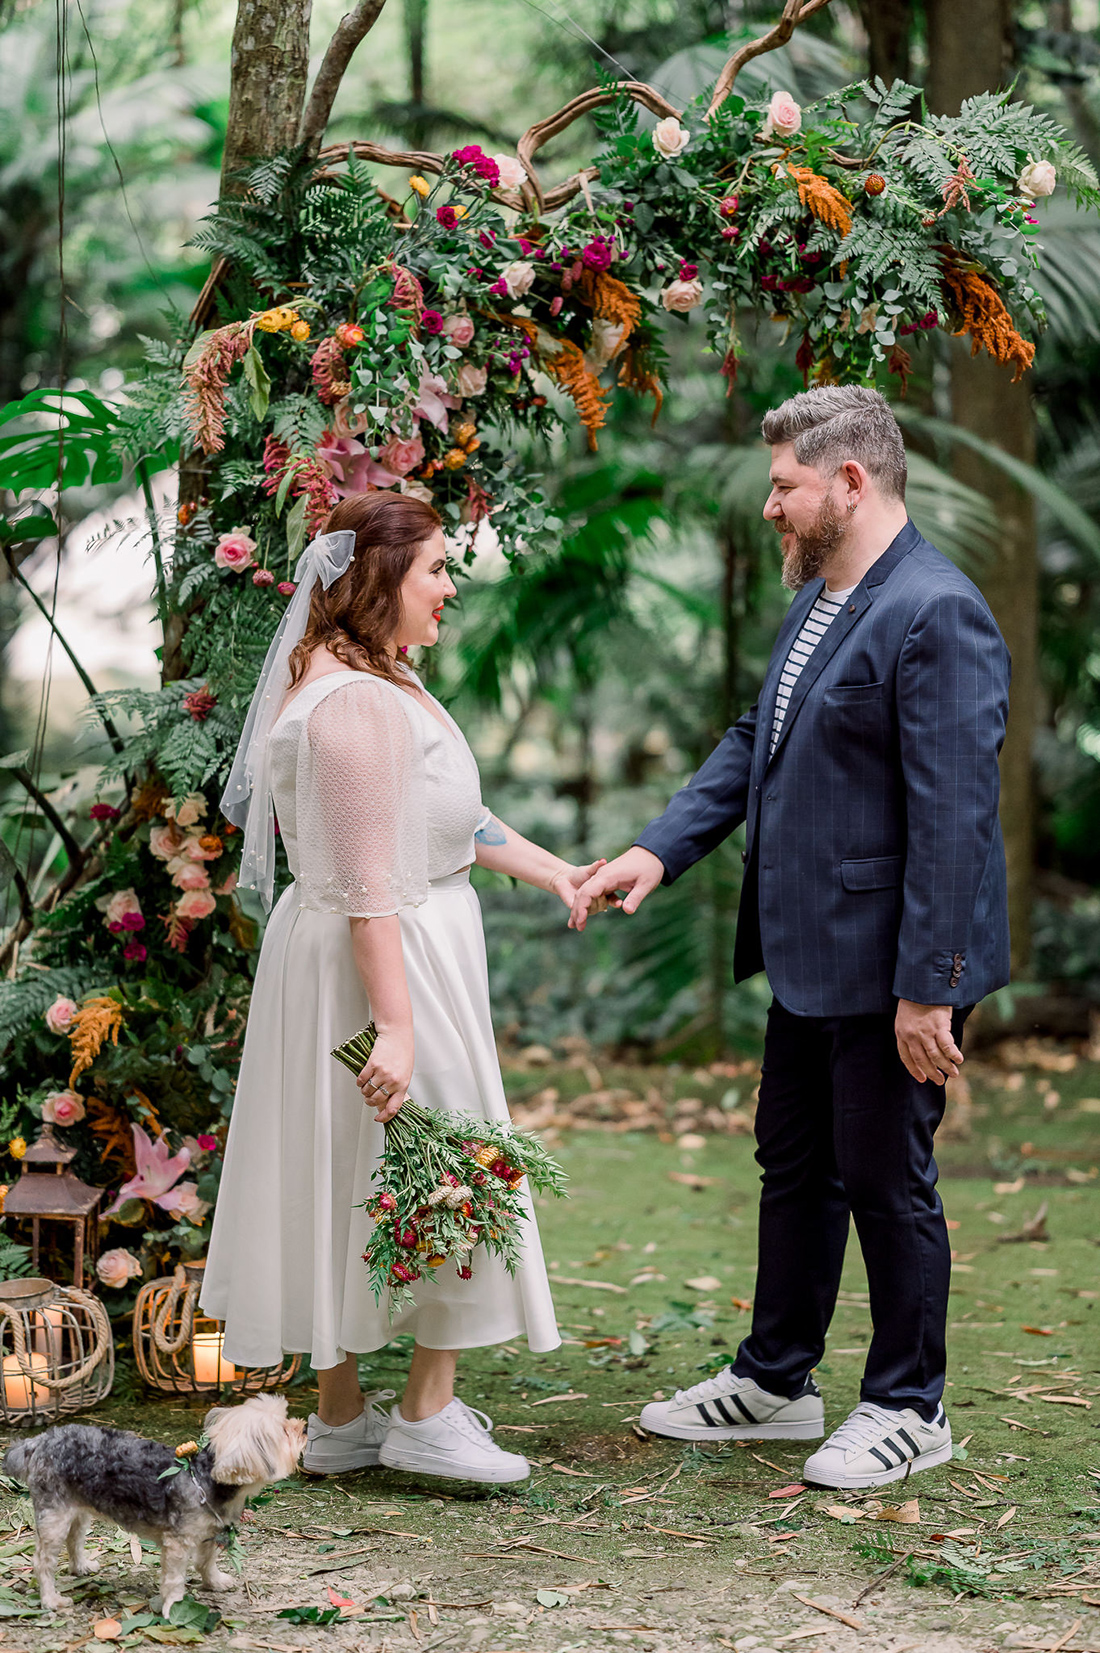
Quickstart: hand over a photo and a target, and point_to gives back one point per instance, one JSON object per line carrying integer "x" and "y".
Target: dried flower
{"x": 200, "y": 703}
{"x": 419, "y": 185}
{"x": 206, "y": 377}
{"x": 17, "y": 1147}
{"x": 263, "y": 576}
{"x": 874, "y": 183}
{"x": 300, "y": 331}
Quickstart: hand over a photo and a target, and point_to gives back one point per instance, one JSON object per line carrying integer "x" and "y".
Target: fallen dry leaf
{"x": 1039, "y": 1331}
{"x": 1003, "y": 1520}
{"x": 106, "y": 1630}
{"x": 742, "y": 1303}
{"x": 548, "y": 1400}
{"x": 689, "y": 1180}
{"x": 135, "y": 1549}
{"x": 788, "y": 1492}
{"x": 690, "y": 1141}
{"x": 593, "y": 1285}
{"x": 820, "y": 1607}
{"x": 843, "y": 1512}
{"x": 704, "y": 1282}
{"x": 908, "y": 1513}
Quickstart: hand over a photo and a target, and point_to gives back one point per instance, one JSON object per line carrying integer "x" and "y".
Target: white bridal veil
{"x": 246, "y": 800}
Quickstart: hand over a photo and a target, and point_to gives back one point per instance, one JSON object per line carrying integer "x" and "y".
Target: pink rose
{"x": 207, "y": 1142}
{"x": 191, "y": 877}
{"x": 189, "y": 812}
{"x": 402, "y": 454}
{"x": 196, "y": 904}
{"x": 347, "y": 423}
{"x": 227, "y": 886}
{"x": 62, "y": 1108}
{"x": 235, "y": 550}
{"x": 116, "y": 1267}
{"x": 60, "y": 1014}
{"x": 511, "y": 171}
{"x": 183, "y": 1201}
{"x": 784, "y": 117}
{"x": 471, "y": 380}
{"x": 459, "y": 330}
{"x": 682, "y": 295}
{"x": 117, "y": 908}
{"x": 165, "y": 842}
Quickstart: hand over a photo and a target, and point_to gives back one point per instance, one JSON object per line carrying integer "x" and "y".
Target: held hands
{"x": 925, "y": 1042}
{"x": 567, "y": 881}
{"x": 636, "y": 872}
{"x": 389, "y": 1069}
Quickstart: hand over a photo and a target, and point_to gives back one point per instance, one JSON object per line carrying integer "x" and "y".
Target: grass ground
{"x": 623, "y": 1539}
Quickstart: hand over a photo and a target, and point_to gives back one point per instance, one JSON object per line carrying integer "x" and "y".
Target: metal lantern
{"x": 48, "y": 1190}
{"x": 179, "y": 1349}
{"x": 56, "y": 1351}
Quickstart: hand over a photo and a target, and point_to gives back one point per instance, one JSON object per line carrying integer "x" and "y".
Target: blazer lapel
{"x": 857, "y": 605}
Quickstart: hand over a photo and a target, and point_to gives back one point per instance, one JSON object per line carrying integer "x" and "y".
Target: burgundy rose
{"x": 431, "y": 321}
{"x": 134, "y": 951}
{"x": 104, "y": 812}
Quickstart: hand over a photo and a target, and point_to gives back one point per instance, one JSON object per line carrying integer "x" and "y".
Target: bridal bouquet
{"x": 447, "y": 1183}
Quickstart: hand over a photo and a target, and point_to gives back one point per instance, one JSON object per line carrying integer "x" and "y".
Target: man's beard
{"x": 812, "y": 551}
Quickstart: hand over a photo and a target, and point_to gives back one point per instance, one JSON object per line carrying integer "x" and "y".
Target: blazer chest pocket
{"x": 877, "y": 872}
{"x": 855, "y": 715}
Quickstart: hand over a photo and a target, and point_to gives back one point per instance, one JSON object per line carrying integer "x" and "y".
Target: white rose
{"x": 669, "y": 138}
{"x": 517, "y": 278}
{"x": 1037, "y": 178}
{"x": 784, "y": 117}
{"x": 512, "y": 171}
{"x": 607, "y": 341}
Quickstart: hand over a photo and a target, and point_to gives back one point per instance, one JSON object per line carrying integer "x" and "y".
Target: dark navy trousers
{"x": 843, "y": 1130}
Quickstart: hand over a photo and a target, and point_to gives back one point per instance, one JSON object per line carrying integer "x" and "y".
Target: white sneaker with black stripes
{"x": 729, "y": 1408}
{"x": 875, "y": 1445}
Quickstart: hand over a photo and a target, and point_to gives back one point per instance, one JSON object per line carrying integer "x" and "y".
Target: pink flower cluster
{"x": 123, "y": 916}
{"x": 310, "y": 478}
{"x": 484, "y": 166}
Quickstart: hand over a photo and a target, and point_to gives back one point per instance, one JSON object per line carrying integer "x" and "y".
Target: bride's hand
{"x": 568, "y": 881}
{"x": 384, "y": 1081}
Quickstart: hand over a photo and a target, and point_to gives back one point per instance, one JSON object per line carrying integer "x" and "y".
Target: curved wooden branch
{"x": 794, "y": 13}
{"x": 350, "y": 31}
{"x": 542, "y": 131}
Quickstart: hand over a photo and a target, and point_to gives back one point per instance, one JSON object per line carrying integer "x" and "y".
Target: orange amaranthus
{"x": 98, "y": 1019}
{"x": 610, "y": 299}
{"x": 982, "y": 313}
{"x": 822, "y": 198}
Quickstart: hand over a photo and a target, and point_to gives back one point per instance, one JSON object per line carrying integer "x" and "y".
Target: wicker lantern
{"x": 48, "y": 1189}
{"x": 180, "y": 1350}
{"x": 56, "y": 1351}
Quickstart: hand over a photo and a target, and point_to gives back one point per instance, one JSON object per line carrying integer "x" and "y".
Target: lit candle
{"x": 210, "y": 1366}
{"x": 21, "y": 1392}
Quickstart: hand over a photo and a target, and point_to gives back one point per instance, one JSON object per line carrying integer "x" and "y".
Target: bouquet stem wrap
{"x": 447, "y": 1183}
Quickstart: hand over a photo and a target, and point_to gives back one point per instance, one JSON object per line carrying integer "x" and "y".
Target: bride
{"x": 379, "y": 808}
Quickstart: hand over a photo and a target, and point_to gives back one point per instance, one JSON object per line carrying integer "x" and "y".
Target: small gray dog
{"x": 77, "y": 1471}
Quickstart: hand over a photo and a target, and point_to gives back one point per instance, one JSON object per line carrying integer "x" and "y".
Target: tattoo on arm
{"x": 491, "y": 833}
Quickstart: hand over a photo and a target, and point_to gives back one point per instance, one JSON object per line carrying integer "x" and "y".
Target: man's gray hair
{"x": 833, "y": 423}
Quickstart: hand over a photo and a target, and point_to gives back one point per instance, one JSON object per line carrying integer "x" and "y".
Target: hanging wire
{"x": 114, "y": 157}
{"x": 578, "y": 29}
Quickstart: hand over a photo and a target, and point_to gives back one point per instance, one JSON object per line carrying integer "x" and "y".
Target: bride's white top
{"x": 375, "y": 797}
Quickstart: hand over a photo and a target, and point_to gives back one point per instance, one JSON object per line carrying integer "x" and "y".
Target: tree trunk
{"x": 970, "y": 51}
{"x": 269, "y": 66}
{"x": 888, "y": 24}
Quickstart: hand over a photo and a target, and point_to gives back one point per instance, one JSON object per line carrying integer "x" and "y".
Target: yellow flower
{"x": 17, "y": 1147}
{"x": 420, "y": 185}
{"x": 270, "y": 321}
{"x": 453, "y": 458}
{"x": 436, "y": 1261}
{"x": 460, "y": 212}
{"x": 187, "y": 1449}
{"x": 287, "y": 316}
{"x": 300, "y": 331}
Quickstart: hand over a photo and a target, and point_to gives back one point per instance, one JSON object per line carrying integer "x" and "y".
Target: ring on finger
{"x": 371, "y": 1085}
{"x": 387, "y": 1094}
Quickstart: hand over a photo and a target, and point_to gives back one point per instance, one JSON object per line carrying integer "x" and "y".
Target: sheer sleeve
{"x": 362, "y": 823}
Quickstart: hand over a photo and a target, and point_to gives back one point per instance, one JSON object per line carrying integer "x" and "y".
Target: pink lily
{"x": 157, "y": 1170}
{"x": 433, "y": 400}
{"x": 351, "y": 467}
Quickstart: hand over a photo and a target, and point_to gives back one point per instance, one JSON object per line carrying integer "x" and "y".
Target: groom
{"x": 874, "y": 897}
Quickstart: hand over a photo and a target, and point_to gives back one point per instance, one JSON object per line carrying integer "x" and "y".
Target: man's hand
{"x": 636, "y": 872}
{"x": 925, "y": 1043}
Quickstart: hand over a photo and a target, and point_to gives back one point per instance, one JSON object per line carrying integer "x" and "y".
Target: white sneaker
{"x": 875, "y": 1444}
{"x": 729, "y": 1408}
{"x": 455, "y": 1443}
{"x": 333, "y": 1448}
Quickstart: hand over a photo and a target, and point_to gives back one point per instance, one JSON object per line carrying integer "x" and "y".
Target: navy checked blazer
{"x": 875, "y": 866}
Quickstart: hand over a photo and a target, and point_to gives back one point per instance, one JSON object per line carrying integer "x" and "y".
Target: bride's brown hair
{"x": 357, "y": 617}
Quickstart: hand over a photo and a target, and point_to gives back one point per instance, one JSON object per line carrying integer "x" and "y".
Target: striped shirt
{"x": 814, "y": 627}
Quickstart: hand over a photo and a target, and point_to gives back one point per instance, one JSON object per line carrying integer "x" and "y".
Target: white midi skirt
{"x": 285, "y": 1270}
